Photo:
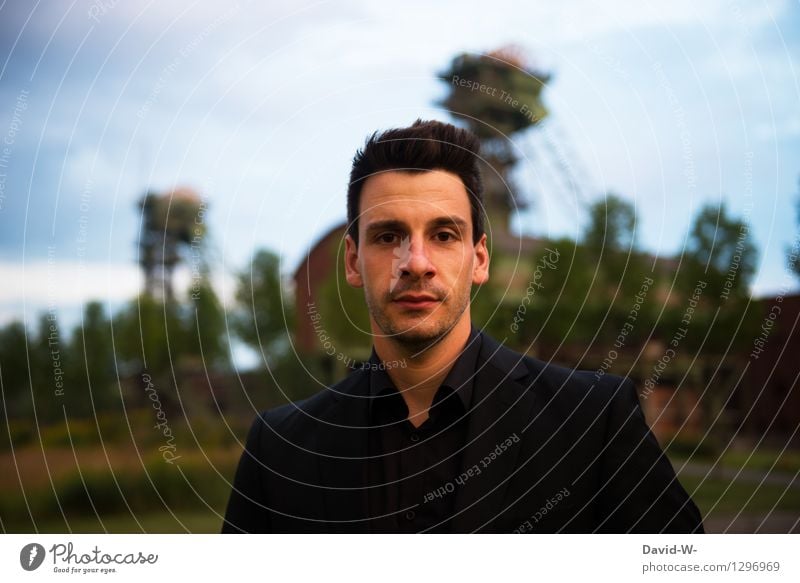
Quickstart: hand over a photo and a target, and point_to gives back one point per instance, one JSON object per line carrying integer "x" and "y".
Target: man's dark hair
{"x": 425, "y": 145}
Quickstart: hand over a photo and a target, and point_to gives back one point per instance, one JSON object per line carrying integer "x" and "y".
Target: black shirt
{"x": 415, "y": 468}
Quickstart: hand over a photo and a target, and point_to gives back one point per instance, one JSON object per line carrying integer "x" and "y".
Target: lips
{"x": 415, "y": 298}
{"x": 416, "y": 301}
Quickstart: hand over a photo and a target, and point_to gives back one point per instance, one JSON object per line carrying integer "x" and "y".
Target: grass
{"x": 762, "y": 460}
{"x": 714, "y": 495}
{"x": 161, "y": 523}
{"x": 149, "y": 488}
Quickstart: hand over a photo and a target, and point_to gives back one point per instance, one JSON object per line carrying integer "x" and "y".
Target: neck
{"x": 424, "y": 371}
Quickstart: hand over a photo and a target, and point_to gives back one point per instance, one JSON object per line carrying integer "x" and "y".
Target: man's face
{"x": 415, "y": 258}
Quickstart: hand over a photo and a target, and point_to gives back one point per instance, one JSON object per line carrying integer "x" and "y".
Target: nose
{"x": 413, "y": 260}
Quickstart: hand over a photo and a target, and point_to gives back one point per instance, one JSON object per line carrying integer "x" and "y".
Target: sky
{"x": 260, "y": 106}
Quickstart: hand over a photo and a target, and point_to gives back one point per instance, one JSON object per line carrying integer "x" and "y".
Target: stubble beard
{"x": 418, "y": 336}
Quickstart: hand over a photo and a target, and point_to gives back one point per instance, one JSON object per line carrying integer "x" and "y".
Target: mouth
{"x": 412, "y": 302}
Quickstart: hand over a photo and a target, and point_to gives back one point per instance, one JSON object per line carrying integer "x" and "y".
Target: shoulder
{"x": 563, "y": 383}
{"x": 302, "y": 416}
{"x": 575, "y": 378}
{"x": 585, "y": 398}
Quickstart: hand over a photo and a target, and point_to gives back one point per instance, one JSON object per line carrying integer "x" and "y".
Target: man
{"x": 445, "y": 429}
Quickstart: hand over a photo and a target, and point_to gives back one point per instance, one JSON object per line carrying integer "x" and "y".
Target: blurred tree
{"x": 51, "y": 363}
{"x": 94, "y": 358}
{"x": 623, "y": 277}
{"x": 170, "y": 223}
{"x": 205, "y": 326}
{"x": 714, "y": 276}
{"x": 720, "y": 252}
{"x": 612, "y": 225}
{"x": 14, "y": 368}
{"x": 496, "y": 95}
{"x": 263, "y": 311}
{"x": 556, "y": 318}
{"x": 493, "y": 313}
{"x": 343, "y": 317}
{"x": 149, "y": 336}
{"x": 150, "y": 341}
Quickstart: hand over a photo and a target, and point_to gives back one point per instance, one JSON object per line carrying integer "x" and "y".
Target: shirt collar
{"x": 460, "y": 378}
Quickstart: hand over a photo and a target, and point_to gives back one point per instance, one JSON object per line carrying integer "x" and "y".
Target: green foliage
{"x": 51, "y": 364}
{"x": 93, "y": 361}
{"x": 149, "y": 335}
{"x": 14, "y": 367}
{"x": 612, "y": 226}
{"x": 343, "y": 314}
{"x": 490, "y": 312}
{"x": 205, "y": 326}
{"x": 74, "y": 374}
{"x": 719, "y": 251}
{"x": 295, "y": 378}
{"x": 263, "y": 312}
{"x": 557, "y": 312}
{"x": 191, "y": 483}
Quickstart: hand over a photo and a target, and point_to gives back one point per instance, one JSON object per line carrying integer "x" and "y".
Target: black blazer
{"x": 558, "y": 450}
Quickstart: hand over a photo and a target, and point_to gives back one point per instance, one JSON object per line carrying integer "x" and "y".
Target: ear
{"x": 352, "y": 268}
{"x": 480, "y": 270}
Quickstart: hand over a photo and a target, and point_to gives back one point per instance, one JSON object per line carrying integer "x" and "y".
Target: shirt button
{"x": 415, "y": 437}
{"x": 410, "y": 514}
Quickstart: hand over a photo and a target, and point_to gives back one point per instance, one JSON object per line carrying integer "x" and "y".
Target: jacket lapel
{"x": 342, "y": 457}
{"x": 502, "y": 410}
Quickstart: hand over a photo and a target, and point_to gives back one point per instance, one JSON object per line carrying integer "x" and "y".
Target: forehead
{"x": 397, "y": 194}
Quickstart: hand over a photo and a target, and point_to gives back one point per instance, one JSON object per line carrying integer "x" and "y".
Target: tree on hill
{"x": 263, "y": 310}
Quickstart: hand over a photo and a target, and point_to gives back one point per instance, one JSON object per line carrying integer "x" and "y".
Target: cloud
{"x": 66, "y": 283}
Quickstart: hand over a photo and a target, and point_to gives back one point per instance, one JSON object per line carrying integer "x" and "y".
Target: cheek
{"x": 462, "y": 266}
{"x": 375, "y": 270}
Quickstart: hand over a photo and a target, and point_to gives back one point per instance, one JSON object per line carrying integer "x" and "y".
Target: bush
{"x": 190, "y": 484}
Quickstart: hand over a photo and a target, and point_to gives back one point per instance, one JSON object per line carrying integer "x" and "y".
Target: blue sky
{"x": 260, "y": 106}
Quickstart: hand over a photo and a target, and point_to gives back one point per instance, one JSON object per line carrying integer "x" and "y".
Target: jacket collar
{"x": 502, "y": 409}
{"x": 460, "y": 379}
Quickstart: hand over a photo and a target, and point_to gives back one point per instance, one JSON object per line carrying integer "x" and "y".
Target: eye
{"x": 445, "y": 236}
{"x": 387, "y": 238}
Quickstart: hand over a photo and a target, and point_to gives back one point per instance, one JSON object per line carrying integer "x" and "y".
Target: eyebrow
{"x": 395, "y": 224}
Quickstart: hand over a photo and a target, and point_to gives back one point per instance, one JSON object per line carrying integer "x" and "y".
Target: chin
{"x": 417, "y": 330}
